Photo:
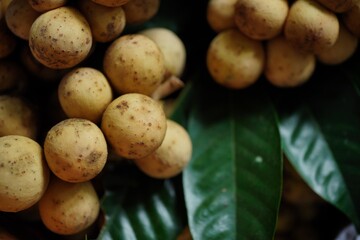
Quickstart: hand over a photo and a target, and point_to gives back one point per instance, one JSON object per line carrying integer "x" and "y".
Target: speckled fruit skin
{"x": 171, "y": 157}
{"x": 344, "y": 47}
{"x": 69, "y": 208}
{"x": 235, "y": 60}
{"x": 134, "y": 124}
{"x": 220, "y": 14}
{"x": 260, "y": 19}
{"x": 24, "y": 175}
{"x": 75, "y": 150}
{"x": 106, "y": 23}
{"x": 60, "y": 38}
{"x": 171, "y": 46}
{"x": 133, "y": 63}
{"x": 310, "y": 26}
{"x": 19, "y": 17}
{"x": 140, "y": 11}
{"x": 84, "y": 93}
{"x": 286, "y": 65}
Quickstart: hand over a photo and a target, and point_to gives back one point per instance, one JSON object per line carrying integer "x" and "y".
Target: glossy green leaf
{"x": 138, "y": 207}
{"x": 320, "y": 129}
{"x": 233, "y": 184}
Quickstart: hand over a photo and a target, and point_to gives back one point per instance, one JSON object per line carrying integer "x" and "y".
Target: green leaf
{"x": 232, "y": 185}
{"x": 138, "y": 207}
{"x": 320, "y": 130}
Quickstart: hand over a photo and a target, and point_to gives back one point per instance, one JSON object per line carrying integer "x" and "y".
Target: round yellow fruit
{"x": 24, "y": 175}
{"x": 134, "y": 124}
{"x": 171, "y": 157}
{"x": 60, "y": 38}
{"x": 311, "y": 26}
{"x": 69, "y": 208}
{"x": 235, "y": 60}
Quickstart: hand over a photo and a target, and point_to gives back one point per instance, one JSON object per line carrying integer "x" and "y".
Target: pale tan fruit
{"x": 60, "y": 38}
{"x": 286, "y": 65}
{"x": 75, "y": 150}
{"x": 171, "y": 46}
{"x": 84, "y": 93}
{"x": 24, "y": 175}
{"x": 134, "y": 63}
{"x": 220, "y": 14}
{"x": 310, "y": 26}
{"x": 344, "y": 47}
{"x": 171, "y": 157}
{"x": 140, "y": 11}
{"x": 19, "y": 18}
{"x": 260, "y": 19}
{"x": 134, "y": 125}
{"x": 234, "y": 60}
{"x": 106, "y": 23}
{"x": 69, "y": 208}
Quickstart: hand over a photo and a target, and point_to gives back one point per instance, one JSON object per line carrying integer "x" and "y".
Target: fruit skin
{"x": 134, "y": 125}
{"x": 286, "y": 65}
{"x": 69, "y": 208}
{"x": 344, "y": 47}
{"x": 84, "y": 93}
{"x": 75, "y": 150}
{"x": 140, "y": 11}
{"x": 107, "y": 23}
{"x": 134, "y": 63}
{"x": 171, "y": 157}
{"x": 171, "y": 46}
{"x": 46, "y": 5}
{"x": 260, "y": 19}
{"x": 220, "y": 14}
{"x": 24, "y": 175}
{"x": 60, "y": 38}
{"x": 19, "y": 17}
{"x": 234, "y": 60}
{"x": 310, "y": 26}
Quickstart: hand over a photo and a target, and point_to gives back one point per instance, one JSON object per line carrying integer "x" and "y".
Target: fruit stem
{"x": 169, "y": 86}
